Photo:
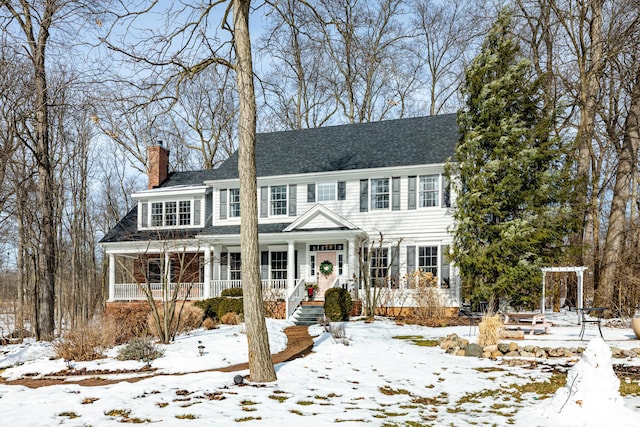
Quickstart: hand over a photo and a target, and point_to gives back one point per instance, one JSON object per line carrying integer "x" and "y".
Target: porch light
{"x": 200, "y": 350}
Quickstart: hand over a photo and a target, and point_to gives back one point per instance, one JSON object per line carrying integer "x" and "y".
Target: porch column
{"x": 291, "y": 265}
{"x": 206, "y": 286}
{"x": 351, "y": 248}
{"x": 217, "y": 250}
{"x": 112, "y": 277}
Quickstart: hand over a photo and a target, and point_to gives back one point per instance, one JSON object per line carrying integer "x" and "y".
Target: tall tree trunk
{"x": 590, "y": 68}
{"x": 46, "y": 289}
{"x": 260, "y": 364}
{"x": 626, "y": 169}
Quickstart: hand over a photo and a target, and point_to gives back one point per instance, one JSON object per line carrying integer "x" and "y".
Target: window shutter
{"x": 293, "y": 196}
{"x": 144, "y": 214}
{"x": 223, "y": 204}
{"x": 264, "y": 202}
{"x": 364, "y": 195}
{"x": 411, "y": 259}
{"x": 395, "y": 266}
{"x": 412, "y": 193}
{"x": 196, "y": 212}
{"x": 342, "y": 190}
{"x": 395, "y": 193}
{"x": 311, "y": 193}
{"x": 264, "y": 265}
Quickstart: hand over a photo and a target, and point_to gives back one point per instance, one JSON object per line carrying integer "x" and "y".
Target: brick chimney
{"x": 158, "y": 164}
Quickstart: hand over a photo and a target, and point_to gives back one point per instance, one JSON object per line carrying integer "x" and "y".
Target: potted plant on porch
{"x": 312, "y": 288}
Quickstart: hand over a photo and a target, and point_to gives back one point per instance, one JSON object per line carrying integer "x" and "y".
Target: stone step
{"x": 308, "y": 315}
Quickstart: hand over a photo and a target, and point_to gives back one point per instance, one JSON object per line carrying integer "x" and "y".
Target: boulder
{"x": 473, "y": 350}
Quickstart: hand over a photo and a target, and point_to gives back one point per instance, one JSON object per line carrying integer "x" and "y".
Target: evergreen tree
{"x": 511, "y": 212}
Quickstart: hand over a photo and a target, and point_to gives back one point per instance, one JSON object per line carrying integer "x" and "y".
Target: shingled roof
{"x": 389, "y": 143}
{"x": 401, "y": 142}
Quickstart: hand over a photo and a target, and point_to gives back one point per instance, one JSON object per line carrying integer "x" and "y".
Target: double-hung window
{"x": 234, "y": 202}
{"x": 170, "y": 214}
{"x": 278, "y": 265}
{"x": 235, "y": 264}
{"x": 279, "y": 200}
{"x": 380, "y": 193}
{"x": 428, "y": 259}
{"x": 429, "y": 192}
{"x": 157, "y": 214}
{"x": 379, "y": 260}
{"x": 185, "y": 212}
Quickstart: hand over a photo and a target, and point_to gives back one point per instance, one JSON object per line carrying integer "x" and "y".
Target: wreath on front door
{"x": 326, "y": 268}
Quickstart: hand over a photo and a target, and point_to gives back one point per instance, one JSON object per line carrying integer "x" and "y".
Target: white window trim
{"x": 229, "y": 216}
{"x": 389, "y": 194}
{"x": 438, "y": 191}
{"x": 191, "y": 201}
{"x": 334, "y": 184}
{"x": 286, "y": 201}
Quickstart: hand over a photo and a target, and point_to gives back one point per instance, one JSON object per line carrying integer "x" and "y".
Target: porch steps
{"x": 309, "y": 313}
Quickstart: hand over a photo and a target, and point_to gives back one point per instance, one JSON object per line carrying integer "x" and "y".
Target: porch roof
{"x": 127, "y": 231}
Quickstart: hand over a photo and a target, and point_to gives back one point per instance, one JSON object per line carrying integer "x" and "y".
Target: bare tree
{"x": 373, "y": 74}
{"x": 376, "y": 259}
{"x": 196, "y": 52}
{"x": 446, "y": 34}
{"x": 34, "y": 21}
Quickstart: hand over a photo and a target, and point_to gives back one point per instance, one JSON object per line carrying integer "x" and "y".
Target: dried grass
{"x": 230, "y": 318}
{"x": 190, "y": 319}
{"x": 489, "y": 330}
{"x": 209, "y": 324}
{"x": 429, "y": 302}
{"x": 88, "y": 341}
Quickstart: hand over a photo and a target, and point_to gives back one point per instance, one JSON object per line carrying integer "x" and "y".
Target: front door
{"x": 326, "y": 280}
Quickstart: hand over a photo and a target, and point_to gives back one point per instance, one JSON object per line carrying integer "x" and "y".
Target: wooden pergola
{"x": 579, "y": 273}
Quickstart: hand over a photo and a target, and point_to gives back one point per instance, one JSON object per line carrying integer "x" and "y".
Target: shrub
{"x": 130, "y": 317}
{"x": 429, "y": 301}
{"x": 210, "y": 306}
{"x": 231, "y": 292}
{"x": 87, "y": 342}
{"x": 230, "y": 318}
{"x": 228, "y": 305}
{"x": 209, "y": 324}
{"x": 190, "y": 319}
{"x": 337, "y": 304}
{"x": 141, "y": 349}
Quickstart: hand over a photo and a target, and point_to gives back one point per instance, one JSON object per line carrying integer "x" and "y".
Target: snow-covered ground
{"x": 376, "y": 380}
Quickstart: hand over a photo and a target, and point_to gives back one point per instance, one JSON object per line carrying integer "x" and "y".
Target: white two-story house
{"x": 325, "y": 196}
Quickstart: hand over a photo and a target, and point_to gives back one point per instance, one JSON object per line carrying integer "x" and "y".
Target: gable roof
{"x": 389, "y": 143}
{"x": 319, "y": 217}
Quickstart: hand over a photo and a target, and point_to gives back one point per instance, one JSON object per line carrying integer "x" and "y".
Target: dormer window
{"x": 170, "y": 214}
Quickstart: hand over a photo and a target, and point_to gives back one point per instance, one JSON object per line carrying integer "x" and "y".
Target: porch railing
{"x": 296, "y": 296}
{"x": 194, "y": 291}
{"x": 135, "y": 291}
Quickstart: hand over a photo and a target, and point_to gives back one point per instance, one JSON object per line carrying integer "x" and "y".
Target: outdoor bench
{"x": 532, "y": 322}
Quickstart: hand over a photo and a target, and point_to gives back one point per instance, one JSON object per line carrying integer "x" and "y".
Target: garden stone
{"x": 460, "y": 352}
{"x": 496, "y": 354}
{"x": 513, "y": 346}
{"x": 541, "y": 354}
{"x": 473, "y": 350}
{"x": 504, "y": 348}
{"x": 616, "y": 352}
{"x": 556, "y": 352}
{"x": 486, "y": 355}
{"x": 527, "y": 354}
{"x": 629, "y": 353}
{"x": 529, "y": 348}
{"x": 491, "y": 348}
